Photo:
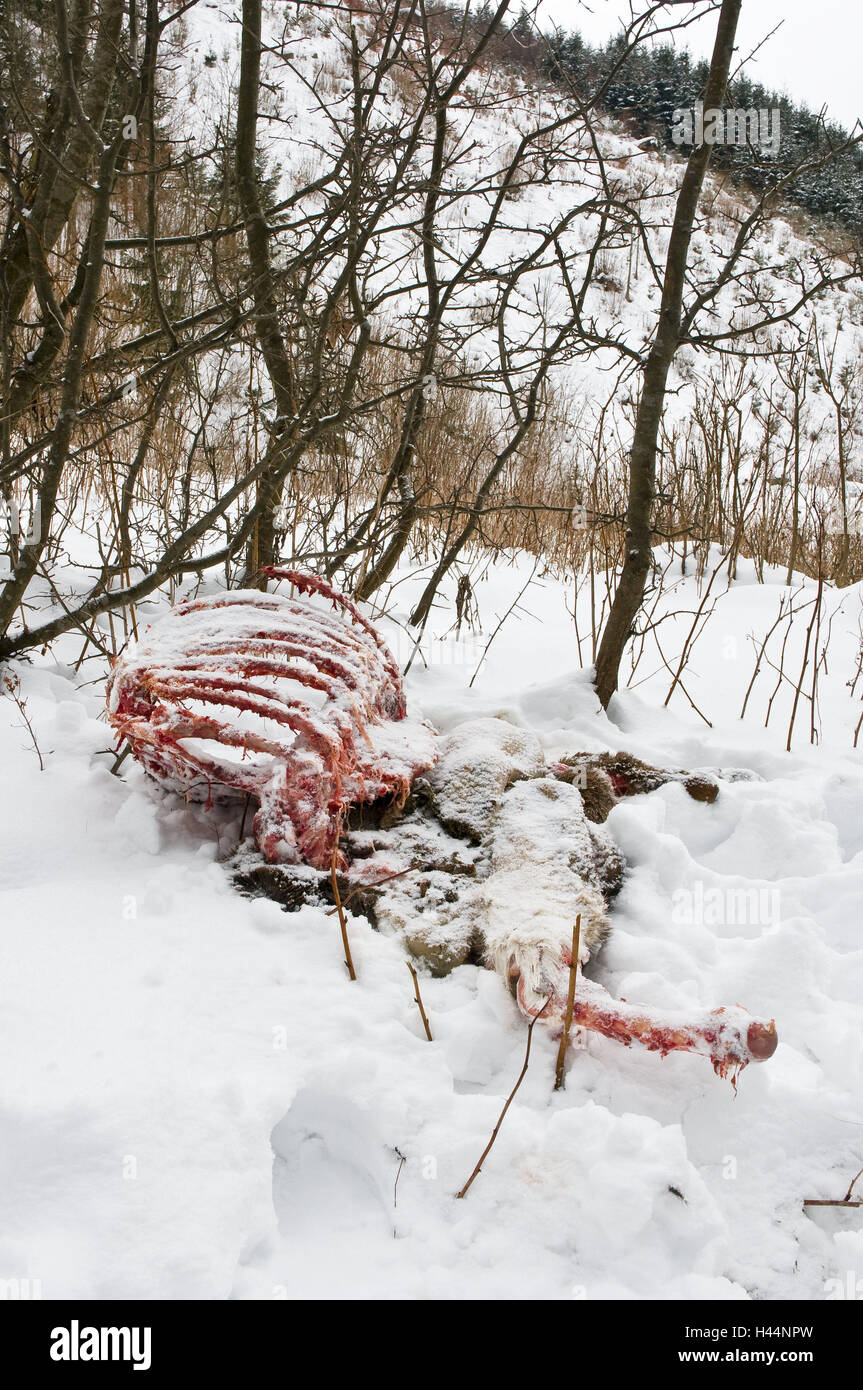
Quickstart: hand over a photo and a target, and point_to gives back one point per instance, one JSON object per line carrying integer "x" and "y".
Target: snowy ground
{"x": 197, "y": 1103}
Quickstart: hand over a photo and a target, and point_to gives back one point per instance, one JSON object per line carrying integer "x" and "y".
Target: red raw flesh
{"x": 328, "y": 760}
{"x": 729, "y": 1036}
{"x": 620, "y": 784}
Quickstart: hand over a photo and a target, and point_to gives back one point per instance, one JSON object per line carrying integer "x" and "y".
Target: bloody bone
{"x": 729, "y": 1036}
{"x": 310, "y": 704}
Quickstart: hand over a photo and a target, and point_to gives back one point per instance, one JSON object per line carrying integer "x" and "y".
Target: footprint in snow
{"x": 332, "y": 1182}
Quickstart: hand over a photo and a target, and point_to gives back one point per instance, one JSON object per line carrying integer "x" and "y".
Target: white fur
{"x": 542, "y": 878}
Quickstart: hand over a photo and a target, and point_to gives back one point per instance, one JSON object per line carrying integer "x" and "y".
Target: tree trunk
{"x": 629, "y": 595}
{"x": 262, "y": 548}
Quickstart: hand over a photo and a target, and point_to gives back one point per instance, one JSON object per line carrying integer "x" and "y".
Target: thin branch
{"x": 559, "y": 1071}
{"x": 415, "y": 978}
{"x": 342, "y": 923}
{"x": 486, "y": 1151}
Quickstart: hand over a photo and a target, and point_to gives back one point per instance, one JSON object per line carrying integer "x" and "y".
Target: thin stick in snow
{"x": 342, "y": 923}
{"x": 847, "y": 1196}
{"x": 559, "y": 1071}
{"x": 846, "y": 1201}
{"x": 510, "y": 1098}
{"x": 501, "y": 622}
{"x": 13, "y": 690}
{"x": 420, "y": 1001}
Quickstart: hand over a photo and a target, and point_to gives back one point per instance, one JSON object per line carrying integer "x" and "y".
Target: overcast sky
{"x": 815, "y": 55}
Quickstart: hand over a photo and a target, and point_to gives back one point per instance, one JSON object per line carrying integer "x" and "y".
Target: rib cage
{"x": 305, "y": 708}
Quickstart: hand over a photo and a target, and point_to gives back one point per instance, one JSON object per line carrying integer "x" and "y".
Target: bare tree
{"x": 349, "y": 304}
{"x": 679, "y": 322}
{"x": 666, "y": 341}
{"x": 208, "y": 360}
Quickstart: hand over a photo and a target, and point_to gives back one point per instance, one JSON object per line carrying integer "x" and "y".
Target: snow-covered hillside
{"x": 784, "y": 259}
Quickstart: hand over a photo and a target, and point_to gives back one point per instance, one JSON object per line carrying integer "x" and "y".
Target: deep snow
{"x": 198, "y": 1103}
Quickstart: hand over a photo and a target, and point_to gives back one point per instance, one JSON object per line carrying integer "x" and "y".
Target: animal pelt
{"x": 488, "y": 850}
{"x": 493, "y": 859}
{"x": 603, "y": 778}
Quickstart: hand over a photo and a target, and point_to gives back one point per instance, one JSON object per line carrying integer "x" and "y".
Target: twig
{"x": 13, "y": 689}
{"x": 119, "y": 761}
{"x": 419, "y": 1001}
{"x": 845, "y": 1201}
{"x": 847, "y": 1197}
{"x": 830, "y": 1202}
{"x": 387, "y": 878}
{"x": 342, "y": 923}
{"x": 485, "y": 1153}
{"x": 760, "y": 654}
{"x": 500, "y": 624}
{"x": 243, "y": 821}
{"x": 402, "y": 1161}
{"x": 559, "y": 1071}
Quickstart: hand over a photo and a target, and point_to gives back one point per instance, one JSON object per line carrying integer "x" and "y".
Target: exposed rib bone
{"x": 345, "y": 749}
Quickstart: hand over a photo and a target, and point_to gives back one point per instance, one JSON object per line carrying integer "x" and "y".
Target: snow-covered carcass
{"x": 486, "y": 853}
